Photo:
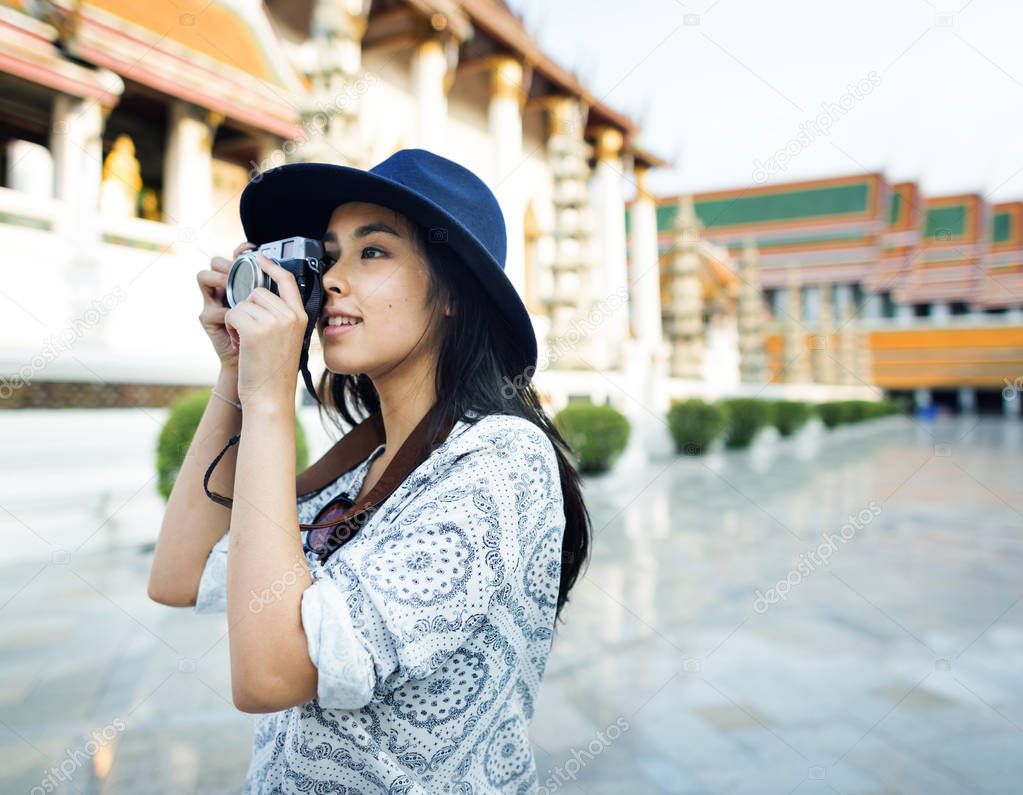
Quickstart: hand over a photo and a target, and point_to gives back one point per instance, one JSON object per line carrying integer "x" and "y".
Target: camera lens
{"x": 245, "y": 276}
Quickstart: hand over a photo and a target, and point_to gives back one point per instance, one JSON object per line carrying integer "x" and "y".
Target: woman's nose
{"x": 334, "y": 281}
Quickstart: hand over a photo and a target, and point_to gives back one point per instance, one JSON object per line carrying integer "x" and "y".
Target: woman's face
{"x": 379, "y": 282}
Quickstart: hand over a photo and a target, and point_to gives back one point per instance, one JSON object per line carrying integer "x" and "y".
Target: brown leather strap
{"x": 353, "y": 449}
{"x": 347, "y": 453}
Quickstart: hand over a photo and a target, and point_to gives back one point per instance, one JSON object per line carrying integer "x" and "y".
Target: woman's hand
{"x": 267, "y": 331}
{"x": 213, "y": 283}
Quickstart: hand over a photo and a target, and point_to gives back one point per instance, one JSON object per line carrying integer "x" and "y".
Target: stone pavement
{"x": 837, "y": 613}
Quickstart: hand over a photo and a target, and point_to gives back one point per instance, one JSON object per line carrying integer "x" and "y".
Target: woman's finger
{"x": 272, "y": 303}
{"x": 286, "y": 284}
{"x": 242, "y": 247}
{"x": 221, "y": 264}
{"x": 214, "y": 314}
{"x": 212, "y": 284}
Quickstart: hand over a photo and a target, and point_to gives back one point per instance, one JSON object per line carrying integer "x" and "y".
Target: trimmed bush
{"x": 177, "y": 435}
{"x": 790, "y": 415}
{"x": 695, "y": 424}
{"x": 832, "y": 413}
{"x": 746, "y": 416}
{"x": 859, "y": 410}
{"x": 596, "y": 434}
{"x": 838, "y": 411}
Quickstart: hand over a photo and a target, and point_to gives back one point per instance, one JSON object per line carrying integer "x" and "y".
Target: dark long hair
{"x": 479, "y": 369}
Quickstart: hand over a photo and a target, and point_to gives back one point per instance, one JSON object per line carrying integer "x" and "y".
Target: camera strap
{"x": 312, "y": 308}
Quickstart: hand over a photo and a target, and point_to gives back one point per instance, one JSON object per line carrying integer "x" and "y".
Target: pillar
{"x": 796, "y": 365}
{"x": 751, "y": 317}
{"x": 872, "y": 306}
{"x": 505, "y": 118}
{"x": 612, "y": 278}
{"x": 188, "y": 173}
{"x": 967, "y": 399}
{"x": 849, "y": 365}
{"x": 76, "y": 141}
{"x": 686, "y": 310}
{"x": 429, "y": 69}
{"x": 823, "y": 348}
{"x": 568, "y": 342}
{"x": 1011, "y": 402}
{"x": 645, "y": 275}
{"x": 30, "y": 169}
{"x": 336, "y": 83}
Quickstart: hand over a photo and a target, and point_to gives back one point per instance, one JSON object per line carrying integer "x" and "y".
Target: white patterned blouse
{"x": 430, "y": 629}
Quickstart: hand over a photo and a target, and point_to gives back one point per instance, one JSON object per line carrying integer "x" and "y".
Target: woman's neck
{"x": 404, "y": 401}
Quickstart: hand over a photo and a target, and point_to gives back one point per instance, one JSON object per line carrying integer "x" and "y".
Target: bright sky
{"x": 721, "y": 86}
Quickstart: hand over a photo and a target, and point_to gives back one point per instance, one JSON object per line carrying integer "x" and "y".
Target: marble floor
{"x": 837, "y": 613}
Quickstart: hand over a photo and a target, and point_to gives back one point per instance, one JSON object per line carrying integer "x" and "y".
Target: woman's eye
{"x": 366, "y": 252}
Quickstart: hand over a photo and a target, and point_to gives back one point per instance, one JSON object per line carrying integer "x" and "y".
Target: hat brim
{"x": 298, "y": 199}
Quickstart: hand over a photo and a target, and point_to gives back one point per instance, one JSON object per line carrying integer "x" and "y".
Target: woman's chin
{"x": 341, "y": 369}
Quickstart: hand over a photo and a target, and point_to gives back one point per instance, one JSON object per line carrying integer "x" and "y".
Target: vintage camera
{"x": 302, "y": 256}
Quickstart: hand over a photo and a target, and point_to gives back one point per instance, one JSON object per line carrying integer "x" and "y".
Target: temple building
{"x": 128, "y": 130}
{"x": 866, "y": 281}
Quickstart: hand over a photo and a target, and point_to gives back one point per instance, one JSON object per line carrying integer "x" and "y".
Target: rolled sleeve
{"x": 344, "y": 667}
{"x": 211, "y": 594}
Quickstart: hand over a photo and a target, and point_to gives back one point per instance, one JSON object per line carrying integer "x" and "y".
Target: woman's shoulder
{"x": 504, "y": 436}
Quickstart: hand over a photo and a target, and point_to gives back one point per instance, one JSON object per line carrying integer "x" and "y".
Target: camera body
{"x": 302, "y": 256}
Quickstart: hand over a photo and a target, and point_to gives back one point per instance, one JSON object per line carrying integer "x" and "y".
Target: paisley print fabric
{"x": 430, "y": 630}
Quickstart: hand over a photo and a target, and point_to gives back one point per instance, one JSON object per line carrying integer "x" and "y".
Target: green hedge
{"x": 746, "y": 416}
{"x": 177, "y": 435}
{"x": 837, "y": 412}
{"x": 695, "y": 424}
{"x": 832, "y": 413}
{"x": 788, "y": 416}
{"x": 596, "y": 434}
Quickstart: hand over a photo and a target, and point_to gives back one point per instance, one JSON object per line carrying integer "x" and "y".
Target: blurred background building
{"x": 921, "y": 296}
{"x": 128, "y": 131}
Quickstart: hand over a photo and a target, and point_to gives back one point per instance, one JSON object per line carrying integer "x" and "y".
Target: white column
{"x": 77, "y": 145}
{"x": 76, "y": 141}
{"x": 940, "y": 312}
{"x": 967, "y": 399}
{"x": 844, "y": 298}
{"x": 812, "y": 305}
{"x": 1012, "y": 403}
{"x": 505, "y": 113}
{"x": 188, "y": 173}
{"x": 429, "y": 68}
{"x": 612, "y": 278}
{"x": 871, "y": 306}
{"x": 645, "y": 277}
{"x": 30, "y": 169}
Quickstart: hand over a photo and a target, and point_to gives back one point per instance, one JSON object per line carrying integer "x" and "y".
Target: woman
{"x": 397, "y": 644}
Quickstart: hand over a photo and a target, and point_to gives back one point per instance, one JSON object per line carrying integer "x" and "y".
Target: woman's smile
{"x": 339, "y": 326}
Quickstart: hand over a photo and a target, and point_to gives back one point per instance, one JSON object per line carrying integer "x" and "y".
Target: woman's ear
{"x": 449, "y": 310}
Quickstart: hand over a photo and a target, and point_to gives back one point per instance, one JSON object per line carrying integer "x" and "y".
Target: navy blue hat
{"x": 459, "y": 210}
